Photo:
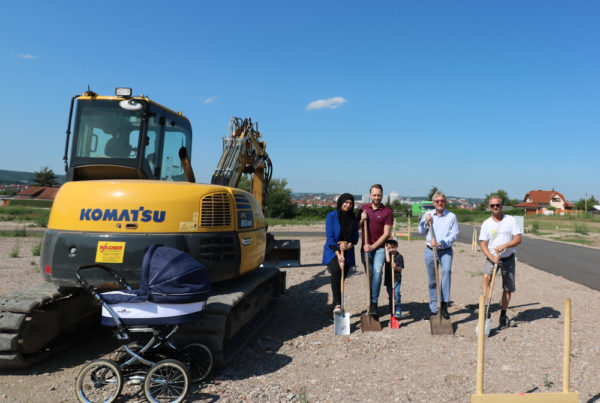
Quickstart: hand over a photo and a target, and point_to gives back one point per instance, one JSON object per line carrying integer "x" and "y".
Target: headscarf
{"x": 346, "y": 219}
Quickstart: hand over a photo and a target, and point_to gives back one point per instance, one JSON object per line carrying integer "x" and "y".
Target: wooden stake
{"x": 480, "y": 344}
{"x": 567, "y": 354}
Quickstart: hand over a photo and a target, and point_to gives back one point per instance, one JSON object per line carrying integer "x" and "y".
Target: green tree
{"x": 591, "y": 201}
{"x": 403, "y": 209}
{"x": 44, "y": 177}
{"x": 245, "y": 183}
{"x": 501, "y": 193}
{"x": 432, "y": 192}
{"x": 279, "y": 200}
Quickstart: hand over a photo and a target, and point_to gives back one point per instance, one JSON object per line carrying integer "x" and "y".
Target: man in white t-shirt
{"x": 499, "y": 235}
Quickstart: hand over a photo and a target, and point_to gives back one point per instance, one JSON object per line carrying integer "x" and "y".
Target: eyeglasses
{"x": 439, "y": 201}
{"x": 495, "y": 205}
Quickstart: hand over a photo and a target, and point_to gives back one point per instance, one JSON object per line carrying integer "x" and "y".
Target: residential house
{"x": 541, "y": 201}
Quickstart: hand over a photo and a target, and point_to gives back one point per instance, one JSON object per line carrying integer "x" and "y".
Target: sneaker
{"x": 337, "y": 310}
{"x": 397, "y": 314}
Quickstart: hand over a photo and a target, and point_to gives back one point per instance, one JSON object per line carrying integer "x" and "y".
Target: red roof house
{"x": 37, "y": 193}
{"x": 537, "y": 200}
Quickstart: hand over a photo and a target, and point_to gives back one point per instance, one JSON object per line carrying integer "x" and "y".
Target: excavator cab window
{"x": 103, "y": 130}
{"x": 175, "y": 137}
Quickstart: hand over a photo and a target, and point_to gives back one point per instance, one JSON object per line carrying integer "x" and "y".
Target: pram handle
{"x": 121, "y": 331}
{"x": 120, "y": 279}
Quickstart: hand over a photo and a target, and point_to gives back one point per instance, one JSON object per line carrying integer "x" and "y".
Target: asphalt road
{"x": 573, "y": 262}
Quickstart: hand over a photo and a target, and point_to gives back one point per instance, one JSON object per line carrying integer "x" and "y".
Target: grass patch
{"x": 19, "y": 233}
{"x": 14, "y": 252}
{"x": 540, "y": 233}
{"x": 37, "y": 249}
{"x": 574, "y": 239}
{"x": 21, "y": 213}
{"x": 294, "y": 221}
{"x": 580, "y": 228}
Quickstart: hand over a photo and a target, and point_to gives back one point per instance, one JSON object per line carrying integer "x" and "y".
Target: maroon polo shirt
{"x": 376, "y": 220}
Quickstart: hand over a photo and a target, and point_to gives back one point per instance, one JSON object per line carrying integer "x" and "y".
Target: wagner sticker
{"x": 110, "y": 252}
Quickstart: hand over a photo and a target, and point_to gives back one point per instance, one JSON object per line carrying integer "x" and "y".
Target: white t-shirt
{"x": 498, "y": 233}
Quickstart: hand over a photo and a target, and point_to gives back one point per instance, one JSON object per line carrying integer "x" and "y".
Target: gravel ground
{"x": 297, "y": 357}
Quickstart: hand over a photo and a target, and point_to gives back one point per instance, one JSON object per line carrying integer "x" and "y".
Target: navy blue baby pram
{"x": 173, "y": 289}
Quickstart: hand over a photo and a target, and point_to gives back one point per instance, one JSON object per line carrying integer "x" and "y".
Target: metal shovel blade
{"x": 440, "y": 325}
{"x": 394, "y": 323}
{"x": 341, "y": 324}
{"x": 487, "y": 328}
{"x": 369, "y": 324}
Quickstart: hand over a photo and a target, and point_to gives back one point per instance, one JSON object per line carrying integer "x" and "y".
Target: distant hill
{"x": 19, "y": 177}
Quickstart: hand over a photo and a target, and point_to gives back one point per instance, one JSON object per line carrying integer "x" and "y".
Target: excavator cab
{"x": 125, "y": 137}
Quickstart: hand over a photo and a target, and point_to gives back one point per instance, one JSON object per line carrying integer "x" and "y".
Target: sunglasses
{"x": 439, "y": 201}
{"x": 495, "y": 205}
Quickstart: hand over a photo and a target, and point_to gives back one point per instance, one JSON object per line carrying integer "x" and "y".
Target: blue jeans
{"x": 445, "y": 260}
{"x": 397, "y": 295}
{"x": 376, "y": 261}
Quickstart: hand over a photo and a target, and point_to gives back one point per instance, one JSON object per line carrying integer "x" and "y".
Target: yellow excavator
{"x": 130, "y": 185}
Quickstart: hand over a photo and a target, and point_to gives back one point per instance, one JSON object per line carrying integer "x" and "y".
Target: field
{"x": 297, "y": 357}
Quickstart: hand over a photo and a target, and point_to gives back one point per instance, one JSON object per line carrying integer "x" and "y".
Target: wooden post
{"x": 567, "y": 353}
{"x": 480, "y": 344}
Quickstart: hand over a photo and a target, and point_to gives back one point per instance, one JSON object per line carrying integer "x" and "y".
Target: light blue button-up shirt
{"x": 445, "y": 228}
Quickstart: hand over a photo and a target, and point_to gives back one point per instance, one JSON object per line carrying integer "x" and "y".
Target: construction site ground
{"x": 297, "y": 357}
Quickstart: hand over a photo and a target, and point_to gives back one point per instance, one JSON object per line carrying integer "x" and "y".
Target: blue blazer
{"x": 333, "y": 235}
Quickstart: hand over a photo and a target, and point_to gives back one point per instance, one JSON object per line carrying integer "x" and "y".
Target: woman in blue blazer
{"x": 341, "y": 230}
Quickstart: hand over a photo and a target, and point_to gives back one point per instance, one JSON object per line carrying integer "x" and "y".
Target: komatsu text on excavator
{"x": 130, "y": 185}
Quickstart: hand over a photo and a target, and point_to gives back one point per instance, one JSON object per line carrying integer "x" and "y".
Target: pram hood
{"x": 168, "y": 276}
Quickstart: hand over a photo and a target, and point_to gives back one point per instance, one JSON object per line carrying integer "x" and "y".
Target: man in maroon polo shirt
{"x": 379, "y": 226}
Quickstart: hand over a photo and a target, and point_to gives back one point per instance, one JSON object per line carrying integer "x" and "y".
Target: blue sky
{"x": 468, "y": 96}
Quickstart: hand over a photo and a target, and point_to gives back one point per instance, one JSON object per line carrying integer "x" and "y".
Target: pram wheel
{"x": 167, "y": 381}
{"x": 198, "y": 359}
{"x": 99, "y": 381}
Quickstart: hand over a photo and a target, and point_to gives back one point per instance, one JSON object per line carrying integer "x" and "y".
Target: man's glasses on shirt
{"x": 495, "y": 205}
{"x": 439, "y": 201}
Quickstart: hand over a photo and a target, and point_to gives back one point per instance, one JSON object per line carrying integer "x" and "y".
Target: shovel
{"x": 341, "y": 321}
{"x": 367, "y": 322}
{"x": 394, "y": 322}
{"x": 488, "y": 320}
{"x": 438, "y": 324}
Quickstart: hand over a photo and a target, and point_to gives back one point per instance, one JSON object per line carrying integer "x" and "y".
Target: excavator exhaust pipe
{"x": 186, "y": 165}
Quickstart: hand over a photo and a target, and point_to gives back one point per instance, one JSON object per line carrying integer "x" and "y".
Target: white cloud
{"x": 26, "y": 56}
{"x": 210, "y": 100}
{"x": 331, "y": 103}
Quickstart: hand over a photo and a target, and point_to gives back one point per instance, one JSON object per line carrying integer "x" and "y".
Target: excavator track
{"x": 41, "y": 321}
{"x": 234, "y": 313}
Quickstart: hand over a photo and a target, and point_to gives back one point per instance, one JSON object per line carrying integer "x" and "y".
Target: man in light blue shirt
{"x": 445, "y": 231}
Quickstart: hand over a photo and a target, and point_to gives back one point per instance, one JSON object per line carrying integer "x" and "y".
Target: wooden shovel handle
{"x": 435, "y": 262}
{"x": 342, "y": 266}
{"x": 366, "y": 255}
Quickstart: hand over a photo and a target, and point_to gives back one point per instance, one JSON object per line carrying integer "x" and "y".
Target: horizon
{"x": 469, "y": 97}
